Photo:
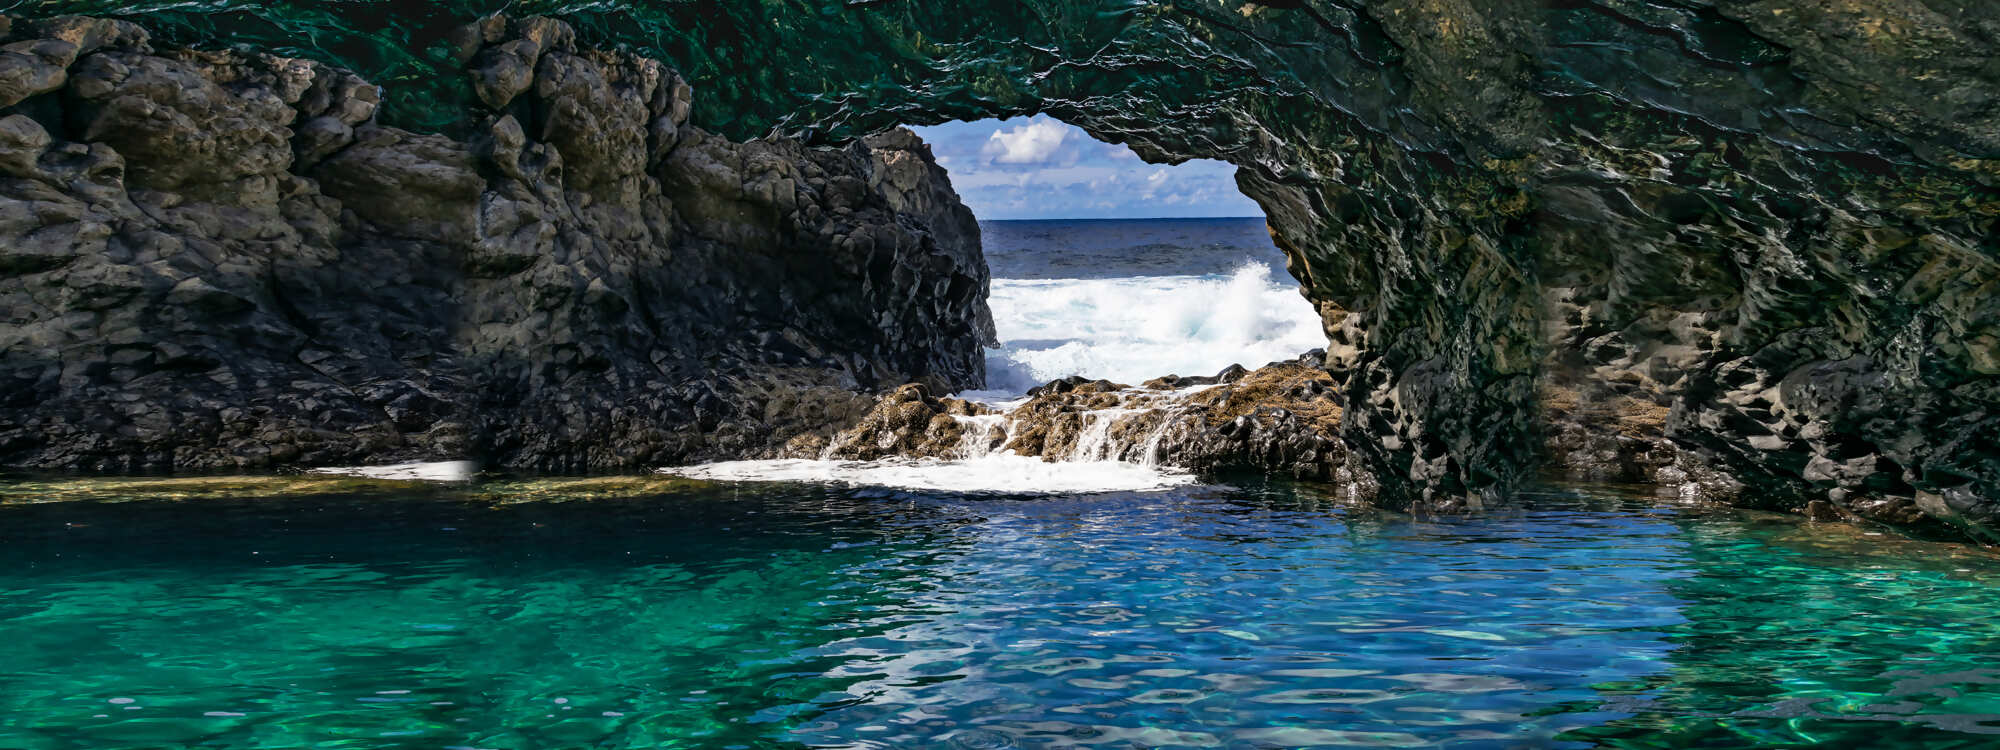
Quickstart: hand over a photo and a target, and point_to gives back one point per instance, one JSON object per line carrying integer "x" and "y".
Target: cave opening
{"x": 1107, "y": 266}
{"x": 1537, "y": 235}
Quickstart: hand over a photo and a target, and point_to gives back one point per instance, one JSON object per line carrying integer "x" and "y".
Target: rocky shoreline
{"x": 1283, "y": 418}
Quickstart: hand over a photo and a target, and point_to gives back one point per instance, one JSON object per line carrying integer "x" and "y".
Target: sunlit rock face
{"x": 221, "y": 259}
{"x": 1759, "y": 234}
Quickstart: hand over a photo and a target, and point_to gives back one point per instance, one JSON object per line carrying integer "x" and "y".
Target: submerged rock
{"x": 223, "y": 259}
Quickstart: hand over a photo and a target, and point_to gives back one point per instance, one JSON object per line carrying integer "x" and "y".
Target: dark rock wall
{"x": 1791, "y": 248}
{"x": 1758, "y": 238}
{"x": 1758, "y": 235}
{"x": 222, "y": 259}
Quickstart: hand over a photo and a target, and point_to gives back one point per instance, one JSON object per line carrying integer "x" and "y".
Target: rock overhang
{"x": 1772, "y": 224}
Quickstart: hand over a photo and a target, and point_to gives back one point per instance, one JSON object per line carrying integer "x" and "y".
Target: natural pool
{"x": 661, "y": 613}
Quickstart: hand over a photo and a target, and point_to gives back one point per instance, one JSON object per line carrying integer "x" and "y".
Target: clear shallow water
{"x": 665, "y": 614}
{"x": 1132, "y": 300}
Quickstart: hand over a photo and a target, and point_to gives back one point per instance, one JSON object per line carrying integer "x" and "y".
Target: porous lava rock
{"x": 1770, "y": 227}
{"x": 1282, "y": 418}
{"x": 223, "y": 259}
{"x": 909, "y": 422}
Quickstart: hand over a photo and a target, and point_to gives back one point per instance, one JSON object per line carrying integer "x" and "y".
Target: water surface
{"x": 1045, "y": 249}
{"x": 655, "y": 613}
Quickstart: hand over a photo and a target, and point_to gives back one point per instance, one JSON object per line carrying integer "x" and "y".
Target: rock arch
{"x": 1747, "y": 249}
{"x": 1744, "y": 247}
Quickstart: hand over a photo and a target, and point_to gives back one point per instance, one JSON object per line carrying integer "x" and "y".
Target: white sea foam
{"x": 1133, "y": 329}
{"x": 998, "y": 473}
{"x": 437, "y": 471}
{"x": 1128, "y": 330}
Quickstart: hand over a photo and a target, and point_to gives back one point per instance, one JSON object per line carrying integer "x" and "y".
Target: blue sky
{"x": 1041, "y": 168}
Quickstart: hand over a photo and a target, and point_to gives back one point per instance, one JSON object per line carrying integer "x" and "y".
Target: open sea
{"x": 1130, "y": 300}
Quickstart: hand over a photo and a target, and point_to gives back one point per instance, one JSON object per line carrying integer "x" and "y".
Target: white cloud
{"x": 1043, "y": 168}
{"x": 1038, "y": 142}
{"x": 1046, "y": 177}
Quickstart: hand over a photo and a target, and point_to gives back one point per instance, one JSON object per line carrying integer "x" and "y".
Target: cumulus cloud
{"x": 1044, "y": 168}
{"x": 1040, "y": 141}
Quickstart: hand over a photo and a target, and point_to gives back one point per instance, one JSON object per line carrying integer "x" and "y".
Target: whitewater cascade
{"x": 1101, "y": 450}
{"x": 1071, "y": 436}
{"x": 1136, "y": 328}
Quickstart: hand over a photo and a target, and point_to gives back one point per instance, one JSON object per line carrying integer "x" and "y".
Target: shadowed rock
{"x": 217, "y": 259}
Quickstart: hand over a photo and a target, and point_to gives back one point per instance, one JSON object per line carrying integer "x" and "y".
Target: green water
{"x": 714, "y": 616}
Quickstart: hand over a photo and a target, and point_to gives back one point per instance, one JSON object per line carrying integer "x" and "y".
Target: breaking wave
{"x": 1130, "y": 330}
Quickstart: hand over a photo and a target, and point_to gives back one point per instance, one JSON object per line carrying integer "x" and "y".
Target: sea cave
{"x": 1700, "y": 290}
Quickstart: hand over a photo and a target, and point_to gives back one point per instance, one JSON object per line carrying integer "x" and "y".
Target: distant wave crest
{"x": 1134, "y": 329}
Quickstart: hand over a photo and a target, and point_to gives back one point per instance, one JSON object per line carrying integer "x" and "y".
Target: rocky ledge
{"x": 220, "y": 259}
{"x": 1282, "y": 418}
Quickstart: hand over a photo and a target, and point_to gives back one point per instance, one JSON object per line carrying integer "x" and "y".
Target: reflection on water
{"x": 671, "y": 614}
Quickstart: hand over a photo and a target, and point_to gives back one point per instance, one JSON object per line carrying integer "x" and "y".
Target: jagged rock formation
{"x": 1775, "y": 220}
{"x": 219, "y": 259}
{"x": 1281, "y": 418}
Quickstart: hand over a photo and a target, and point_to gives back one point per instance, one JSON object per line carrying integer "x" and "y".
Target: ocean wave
{"x": 1134, "y": 329}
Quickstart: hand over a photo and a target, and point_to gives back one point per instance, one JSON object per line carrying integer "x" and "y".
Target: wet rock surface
{"x": 1282, "y": 418}
{"x": 222, "y": 259}
{"x": 909, "y": 422}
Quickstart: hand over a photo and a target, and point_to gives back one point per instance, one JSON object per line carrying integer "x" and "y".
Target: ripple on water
{"x": 776, "y": 615}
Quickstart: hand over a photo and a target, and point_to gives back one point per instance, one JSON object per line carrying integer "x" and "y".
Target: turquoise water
{"x": 1249, "y": 615}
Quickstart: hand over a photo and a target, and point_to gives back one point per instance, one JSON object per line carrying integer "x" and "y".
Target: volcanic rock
{"x": 223, "y": 259}
{"x": 1282, "y": 418}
